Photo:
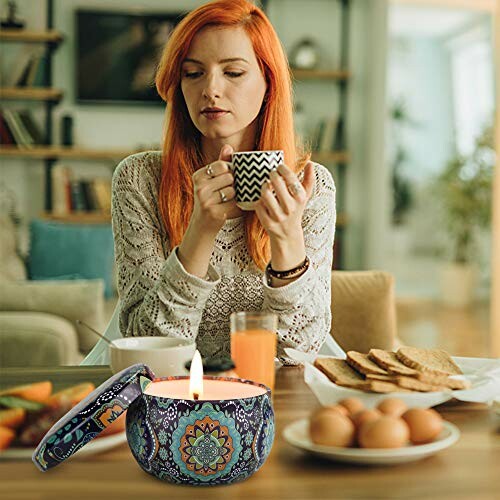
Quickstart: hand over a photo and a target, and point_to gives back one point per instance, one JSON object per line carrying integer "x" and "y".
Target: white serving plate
{"x": 482, "y": 373}
{"x": 97, "y": 445}
{"x": 297, "y": 434}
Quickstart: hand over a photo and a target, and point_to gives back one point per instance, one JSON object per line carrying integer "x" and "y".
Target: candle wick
{"x": 196, "y": 396}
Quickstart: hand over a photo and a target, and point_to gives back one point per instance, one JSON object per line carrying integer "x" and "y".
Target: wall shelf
{"x": 28, "y": 36}
{"x": 31, "y": 93}
{"x": 320, "y": 74}
{"x": 330, "y": 157}
{"x": 79, "y": 217}
{"x": 59, "y": 152}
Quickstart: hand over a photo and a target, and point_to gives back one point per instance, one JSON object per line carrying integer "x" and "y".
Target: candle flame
{"x": 196, "y": 377}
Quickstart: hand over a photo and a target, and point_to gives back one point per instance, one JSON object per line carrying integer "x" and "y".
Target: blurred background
{"x": 395, "y": 97}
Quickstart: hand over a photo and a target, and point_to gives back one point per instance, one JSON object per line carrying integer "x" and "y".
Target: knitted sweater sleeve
{"x": 303, "y": 306}
{"x": 157, "y": 295}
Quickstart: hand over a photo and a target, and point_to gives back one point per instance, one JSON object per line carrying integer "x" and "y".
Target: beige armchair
{"x": 363, "y": 310}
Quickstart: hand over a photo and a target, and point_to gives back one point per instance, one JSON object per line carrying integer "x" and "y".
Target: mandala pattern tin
{"x": 179, "y": 440}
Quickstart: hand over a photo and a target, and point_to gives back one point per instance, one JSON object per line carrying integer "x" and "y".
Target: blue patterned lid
{"x": 92, "y": 415}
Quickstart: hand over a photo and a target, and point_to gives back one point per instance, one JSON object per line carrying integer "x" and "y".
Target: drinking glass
{"x": 254, "y": 341}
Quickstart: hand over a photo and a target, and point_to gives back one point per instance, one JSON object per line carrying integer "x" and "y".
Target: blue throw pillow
{"x": 59, "y": 250}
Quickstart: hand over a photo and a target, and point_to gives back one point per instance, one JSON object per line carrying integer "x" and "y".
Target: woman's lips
{"x": 214, "y": 115}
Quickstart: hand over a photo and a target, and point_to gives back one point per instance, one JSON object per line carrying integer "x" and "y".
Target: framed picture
{"x": 117, "y": 54}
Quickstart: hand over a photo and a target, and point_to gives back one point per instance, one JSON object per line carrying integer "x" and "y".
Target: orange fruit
{"x": 39, "y": 391}
{"x": 6, "y": 437}
{"x": 73, "y": 394}
{"x": 12, "y": 417}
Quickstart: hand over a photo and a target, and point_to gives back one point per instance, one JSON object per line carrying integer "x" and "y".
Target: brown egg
{"x": 392, "y": 406}
{"x": 363, "y": 416}
{"x": 424, "y": 424}
{"x": 384, "y": 432}
{"x": 338, "y": 408}
{"x": 331, "y": 428}
{"x": 353, "y": 405}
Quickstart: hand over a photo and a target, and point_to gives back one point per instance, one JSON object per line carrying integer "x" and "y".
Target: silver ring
{"x": 295, "y": 188}
{"x": 223, "y": 197}
{"x": 210, "y": 171}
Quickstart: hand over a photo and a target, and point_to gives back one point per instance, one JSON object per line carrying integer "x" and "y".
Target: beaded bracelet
{"x": 291, "y": 273}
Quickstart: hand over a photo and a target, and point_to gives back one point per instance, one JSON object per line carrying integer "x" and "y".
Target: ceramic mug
{"x": 166, "y": 356}
{"x": 250, "y": 170}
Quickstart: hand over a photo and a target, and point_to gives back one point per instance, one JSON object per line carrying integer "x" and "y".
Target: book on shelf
{"x": 23, "y": 62}
{"x": 6, "y": 136}
{"x": 101, "y": 189}
{"x": 20, "y": 134}
{"x": 39, "y": 77}
{"x": 22, "y": 128}
{"x": 324, "y": 135}
{"x": 61, "y": 194}
{"x": 73, "y": 195}
{"x": 77, "y": 200}
{"x": 31, "y": 126}
{"x": 30, "y": 70}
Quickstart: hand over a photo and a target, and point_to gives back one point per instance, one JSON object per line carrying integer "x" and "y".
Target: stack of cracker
{"x": 408, "y": 369}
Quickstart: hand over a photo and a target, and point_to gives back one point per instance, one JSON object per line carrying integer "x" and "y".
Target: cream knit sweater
{"x": 158, "y": 296}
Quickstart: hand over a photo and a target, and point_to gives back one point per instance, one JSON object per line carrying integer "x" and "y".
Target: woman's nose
{"x": 212, "y": 87}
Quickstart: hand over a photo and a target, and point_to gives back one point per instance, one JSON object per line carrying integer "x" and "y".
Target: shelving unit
{"x": 49, "y": 96}
{"x": 62, "y": 152}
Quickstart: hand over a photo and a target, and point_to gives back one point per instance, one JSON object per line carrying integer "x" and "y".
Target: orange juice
{"x": 253, "y": 353}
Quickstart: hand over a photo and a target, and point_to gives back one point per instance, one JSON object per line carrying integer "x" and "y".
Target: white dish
{"x": 482, "y": 373}
{"x": 297, "y": 434}
{"x": 166, "y": 356}
{"x": 95, "y": 446}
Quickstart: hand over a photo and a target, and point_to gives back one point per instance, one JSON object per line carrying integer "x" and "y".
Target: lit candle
{"x": 198, "y": 387}
{"x": 196, "y": 377}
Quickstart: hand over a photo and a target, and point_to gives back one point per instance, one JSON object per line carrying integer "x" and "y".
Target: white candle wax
{"x": 213, "y": 389}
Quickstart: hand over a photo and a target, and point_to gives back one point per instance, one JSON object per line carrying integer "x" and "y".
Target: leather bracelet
{"x": 291, "y": 273}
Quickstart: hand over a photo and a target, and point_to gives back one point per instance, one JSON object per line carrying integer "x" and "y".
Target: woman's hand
{"x": 280, "y": 209}
{"x": 214, "y": 193}
{"x": 213, "y": 204}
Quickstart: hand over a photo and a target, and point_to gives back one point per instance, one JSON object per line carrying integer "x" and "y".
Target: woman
{"x": 186, "y": 255}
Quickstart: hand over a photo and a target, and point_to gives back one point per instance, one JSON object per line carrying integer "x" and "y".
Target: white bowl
{"x": 166, "y": 356}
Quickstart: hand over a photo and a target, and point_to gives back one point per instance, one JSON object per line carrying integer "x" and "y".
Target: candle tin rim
{"x": 210, "y": 377}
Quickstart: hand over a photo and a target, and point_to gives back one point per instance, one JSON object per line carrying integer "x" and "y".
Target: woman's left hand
{"x": 280, "y": 212}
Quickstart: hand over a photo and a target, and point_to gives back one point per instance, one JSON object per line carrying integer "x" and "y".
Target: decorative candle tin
{"x": 201, "y": 442}
{"x": 177, "y": 439}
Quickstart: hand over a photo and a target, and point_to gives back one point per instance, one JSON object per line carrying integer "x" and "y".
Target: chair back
{"x": 363, "y": 310}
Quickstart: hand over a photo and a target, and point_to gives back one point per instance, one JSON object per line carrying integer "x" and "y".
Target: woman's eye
{"x": 234, "y": 74}
{"x": 192, "y": 74}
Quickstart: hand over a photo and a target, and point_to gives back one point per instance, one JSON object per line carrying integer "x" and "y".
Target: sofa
{"x": 38, "y": 318}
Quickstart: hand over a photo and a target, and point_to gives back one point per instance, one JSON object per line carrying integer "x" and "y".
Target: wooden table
{"x": 468, "y": 470}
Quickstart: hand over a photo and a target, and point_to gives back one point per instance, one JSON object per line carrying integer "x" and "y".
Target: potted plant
{"x": 464, "y": 189}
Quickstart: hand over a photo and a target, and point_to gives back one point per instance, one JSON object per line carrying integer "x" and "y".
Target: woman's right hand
{"x": 214, "y": 193}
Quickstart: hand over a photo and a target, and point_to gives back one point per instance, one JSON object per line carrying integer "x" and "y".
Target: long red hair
{"x": 182, "y": 154}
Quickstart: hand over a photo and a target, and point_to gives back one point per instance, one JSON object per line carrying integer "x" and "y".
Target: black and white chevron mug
{"x": 250, "y": 170}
